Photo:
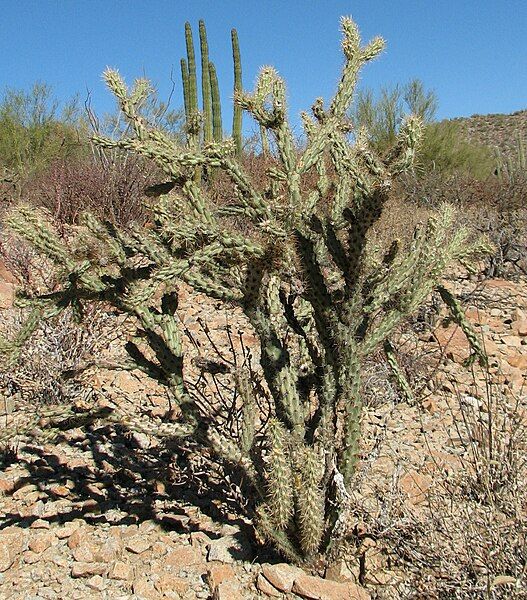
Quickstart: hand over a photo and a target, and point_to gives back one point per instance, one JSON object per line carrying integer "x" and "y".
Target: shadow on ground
{"x": 112, "y": 478}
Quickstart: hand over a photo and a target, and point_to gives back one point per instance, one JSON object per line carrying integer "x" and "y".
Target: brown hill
{"x": 496, "y": 130}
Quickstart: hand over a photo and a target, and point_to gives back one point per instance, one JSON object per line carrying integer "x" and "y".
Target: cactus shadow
{"x": 104, "y": 476}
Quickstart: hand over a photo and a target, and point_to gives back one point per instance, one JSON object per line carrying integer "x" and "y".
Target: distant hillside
{"x": 499, "y": 131}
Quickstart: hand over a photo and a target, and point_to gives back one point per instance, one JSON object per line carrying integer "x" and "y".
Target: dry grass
{"x": 45, "y": 372}
{"x": 468, "y": 538}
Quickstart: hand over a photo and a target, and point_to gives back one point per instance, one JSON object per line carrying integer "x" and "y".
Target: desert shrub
{"x": 111, "y": 187}
{"x": 445, "y": 150}
{"x": 33, "y": 133}
{"x": 468, "y": 540}
{"x": 46, "y": 370}
{"x": 494, "y": 206}
{"x": 504, "y": 221}
{"x": 317, "y": 293}
{"x": 9, "y": 186}
{"x": 382, "y": 117}
{"x": 433, "y": 188}
{"x": 514, "y": 166}
{"x": 454, "y": 547}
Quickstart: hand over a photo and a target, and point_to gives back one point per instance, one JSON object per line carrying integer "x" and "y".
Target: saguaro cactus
{"x": 217, "y": 126}
{"x": 238, "y": 86}
{"x": 205, "y": 84}
{"x": 318, "y": 301}
{"x": 211, "y": 101}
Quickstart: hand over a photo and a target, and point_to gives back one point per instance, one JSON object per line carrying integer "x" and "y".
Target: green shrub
{"x": 33, "y": 134}
{"x": 382, "y": 117}
{"x": 318, "y": 298}
{"x": 444, "y": 149}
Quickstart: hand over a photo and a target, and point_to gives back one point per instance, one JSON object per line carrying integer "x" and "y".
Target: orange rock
{"x": 85, "y": 569}
{"x": 415, "y": 485}
{"x": 430, "y": 405}
{"x": 59, "y": 490}
{"x": 41, "y": 542}
{"x": 453, "y": 342}
{"x": 339, "y": 571}
{"x": 519, "y": 361}
{"x": 315, "y": 588}
{"x": 121, "y": 571}
{"x": 5, "y": 273}
{"x": 137, "y": 544}
{"x": 7, "y": 558}
{"x": 266, "y": 588}
{"x": 40, "y": 524}
{"x": 7, "y": 294}
{"x": 282, "y": 575}
{"x": 385, "y": 466}
{"x": 6, "y": 486}
{"x": 183, "y": 556}
{"x": 515, "y": 378}
{"x": 228, "y": 590}
{"x": 66, "y": 530}
{"x": 77, "y": 537}
{"x": 218, "y": 573}
{"x": 128, "y": 383}
{"x": 168, "y": 584}
{"x": 443, "y": 461}
{"x": 480, "y": 317}
{"x": 144, "y": 589}
{"x": 500, "y": 284}
{"x": 520, "y": 327}
{"x": 491, "y": 348}
{"x": 85, "y": 552}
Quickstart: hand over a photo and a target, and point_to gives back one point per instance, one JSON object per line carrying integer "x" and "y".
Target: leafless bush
{"x": 493, "y": 432}
{"x": 45, "y": 372}
{"x": 23, "y": 263}
{"x": 494, "y": 207}
{"x": 111, "y": 187}
{"x": 378, "y": 387}
{"x": 455, "y": 549}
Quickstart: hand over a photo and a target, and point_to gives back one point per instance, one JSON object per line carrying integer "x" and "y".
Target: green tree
{"x": 443, "y": 147}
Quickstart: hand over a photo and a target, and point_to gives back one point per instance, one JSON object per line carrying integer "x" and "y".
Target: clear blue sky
{"x": 473, "y": 53}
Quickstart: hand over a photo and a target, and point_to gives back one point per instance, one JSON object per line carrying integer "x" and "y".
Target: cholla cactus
{"x": 317, "y": 302}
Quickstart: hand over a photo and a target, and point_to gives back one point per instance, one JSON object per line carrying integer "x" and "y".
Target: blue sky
{"x": 473, "y": 53}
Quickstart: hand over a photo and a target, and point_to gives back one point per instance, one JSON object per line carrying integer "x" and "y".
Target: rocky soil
{"x": 108, "y": 514}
